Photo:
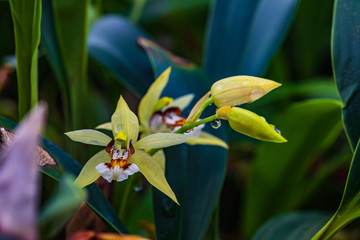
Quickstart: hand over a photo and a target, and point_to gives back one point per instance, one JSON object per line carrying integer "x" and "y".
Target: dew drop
{"x": 168, "y": 207}
{"x": 277, "y": 130}
{"x": 138, "y": 188}
{"x": 256, "y": 93}
{"x": 216, "y": 123}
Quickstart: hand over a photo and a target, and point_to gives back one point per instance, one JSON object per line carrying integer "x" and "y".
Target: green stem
{"x": 137, "y": 10}
{"x": 125, "y": 198}
{"x": 185, "y": 128}
{"x": 205, "y": 104}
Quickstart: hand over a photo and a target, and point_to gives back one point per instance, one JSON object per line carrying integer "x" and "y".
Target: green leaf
{"x": 292, "y": 226}
{"x": 254, "y": 31}
{"x": 26, "y": 17}
{"x": 280, "y": 171}
{"x": 349, "y": 208}
{"x": 71, "y": 23}
{"x": 200, "y": 168}
{"x": 61, "y": 207}
{"x": 89, "y": 136}
{"x": 112, "y": 44}
{"x": 96, "y": 199}
{"x": 346, "y": 62}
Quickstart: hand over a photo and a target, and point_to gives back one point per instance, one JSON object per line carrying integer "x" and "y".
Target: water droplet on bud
{"x": 216, "y": 123}
{"x": 256, "y": 93}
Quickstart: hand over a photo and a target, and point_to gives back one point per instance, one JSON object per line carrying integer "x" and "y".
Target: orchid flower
{"x": 124, "y": 154}
{"x": 164, "y": 114}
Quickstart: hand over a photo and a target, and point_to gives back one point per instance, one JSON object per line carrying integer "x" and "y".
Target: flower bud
{"x": 250, "y": 124}
{"x": 237, "y": 90}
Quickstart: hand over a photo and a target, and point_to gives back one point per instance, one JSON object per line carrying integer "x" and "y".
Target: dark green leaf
{"x": 26, "y": 17}
{"x": 280, "y": 171}
{"x": 349, "y": 208}
{"x": 61, "y": 207}
{"x": 346, "y": 62}
{"x": 194, "y": 173}
{"x": 292, "y": 226}
{"x": 112, "y": 43}
{"x": 244, "y": 35}
{"x": 96, "y": 200}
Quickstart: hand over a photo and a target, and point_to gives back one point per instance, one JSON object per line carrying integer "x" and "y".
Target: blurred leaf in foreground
{"x": 19, "y": 179}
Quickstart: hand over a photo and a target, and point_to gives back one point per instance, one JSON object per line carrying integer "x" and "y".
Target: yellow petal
{"x": 159, "y": 156}
{"x": 89, "y": 174}
{"x": 237, "y": 90}
{"x": 207, "y": 139}
{"x": 153, "y": 172}
{"x": 89, "y": 136}
{"x": 197, "y": 106}
{"x": 161, "y": 140}
{"x": 252, "y": 125}
{"x": 149, "y": 100}
{"x": 124, "y": 119}
{"x": 106, "y": 126}
{"x": 162, "y": 102}
{"x": 183, "y": 101}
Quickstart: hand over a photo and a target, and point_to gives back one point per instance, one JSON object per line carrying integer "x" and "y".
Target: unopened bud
{"x": 250, "y": 124}
{"x": 237, "y": 90}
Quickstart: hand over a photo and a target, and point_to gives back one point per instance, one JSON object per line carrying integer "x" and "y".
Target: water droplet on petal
{"x": 277, "y": 130}
{"x": 168, "y": 207}
{"x": 216, "y": 123}
{"x": 256, "y": 93}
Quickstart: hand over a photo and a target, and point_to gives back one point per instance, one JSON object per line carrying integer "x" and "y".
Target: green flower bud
{"x": 237, "y": 90}
{"x": 250, "y": 124}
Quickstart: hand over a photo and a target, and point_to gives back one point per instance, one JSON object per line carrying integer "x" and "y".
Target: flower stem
{"x": 125, "y": 197}
{"x": 189, "y": 126}
{"x": 205, "y": 104}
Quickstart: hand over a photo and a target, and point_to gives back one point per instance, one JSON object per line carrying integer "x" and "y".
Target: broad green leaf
{"x": 26, "y": 16}
{"x": 292, "y": 226}
{"x": 153, "y": 94}
{"x": 349, "y": 208}
{"x": 89, "y": 136}
{"x": 96, "y": 199}
{"x": 312, "y": 125}
{"x": 162, "y": 140}
{"x": 124, "y": 119}
{"x": 244, "y": 35}
{"x": 346, "y": 62}
{"x": 112, "y": 44}
{"x": 71, "y": 22}
{"x": 153, "y": 172}
{"x": 106, "y": 126}
{"x": 187, "y": 165}
{"x": 19, "y": 179}
{"x": 61, "y": 207}
{"x": 182, "y": 102}
{"x": 88, "y": 173}
{"x": 208, "y": 139}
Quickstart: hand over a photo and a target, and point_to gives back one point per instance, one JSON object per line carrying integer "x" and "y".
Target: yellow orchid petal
{"x": 207, "y": 139}
{"x": 253, "y": 125}
{"x": 121, "y": 136}
{"x": 124, "y": 119}
{"x": 197, "y": 106}
{"x": 153, "y": 172}
{"x": 89, "y": 136}
{"x": 106, "y": 126}
{"x": 161, "y": 140}
{"x": 149, "y": 100}
{"x": 237, "y": 90}
{"x": 159, "y": 156}
{"x": 162, "y": 102}
{"x": 89, "y": 174}
{"x": 183, "y": 101}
